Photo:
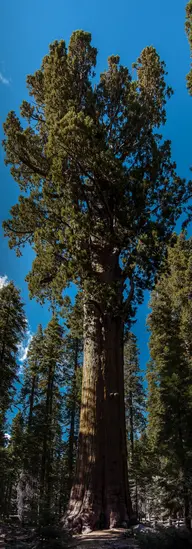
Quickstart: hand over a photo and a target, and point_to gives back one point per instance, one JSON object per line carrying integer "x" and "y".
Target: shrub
{"x": 171, "y": 538}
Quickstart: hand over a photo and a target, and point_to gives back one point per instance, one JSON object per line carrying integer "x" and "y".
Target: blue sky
{"x": 125, "y": 28}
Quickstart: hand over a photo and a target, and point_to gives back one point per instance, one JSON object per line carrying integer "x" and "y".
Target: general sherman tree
{"x": 99, "y": 199}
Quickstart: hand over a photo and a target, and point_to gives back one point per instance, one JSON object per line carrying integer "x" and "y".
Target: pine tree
{"x": 42, "y": 399}
{"x": 99, "y": 199}
{"x": 74, "y": 355}
{"x": 30, "y": 399}
{"x": 134, "y": 392}
{"x": 31, "y": 375}
{"x": 51, "y": 378}
{"x": 134, "y": 410}
{"x": 170, "y": 371}
{"x": 12, "y": 329}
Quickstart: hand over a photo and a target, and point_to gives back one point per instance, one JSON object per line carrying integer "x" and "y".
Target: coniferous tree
{"x": 30, "y": 398}
{"x": 74, "y": 355}
{"x": 12, "y": 329}
{"x": 134, "y": 410}
{"x": 29, "y": 391}
{"x": 42, "y": 400}
{"x": 51, "y": 378}
{"x": 170, "y": 372}
{"x": 134, "y": 392}
{"x": 102, "y": 197}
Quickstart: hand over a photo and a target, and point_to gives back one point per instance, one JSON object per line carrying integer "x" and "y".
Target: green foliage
{"x": 42, "y": 401}
{"x": 12, "y": 329}
{"x": 134, "y": 390}
{"x": 98, "y": 186}
{"x": 134, "y": 412}
{"x": 74, "y": 356}
{"x": 37, "y": 464}
{"x": 50, "y": 398}
{"x": 170, "y": 374}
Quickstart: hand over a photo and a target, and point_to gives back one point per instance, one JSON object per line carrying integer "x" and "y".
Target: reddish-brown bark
{"x": 99, "y": 496}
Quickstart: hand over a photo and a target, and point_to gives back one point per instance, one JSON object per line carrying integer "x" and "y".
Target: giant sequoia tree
{"x": 99, "y": 200}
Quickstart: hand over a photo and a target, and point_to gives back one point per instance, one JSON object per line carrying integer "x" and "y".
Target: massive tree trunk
{"x": 99, "y": 496}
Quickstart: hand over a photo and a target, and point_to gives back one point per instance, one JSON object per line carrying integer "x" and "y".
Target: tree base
{"x": 85, "y": 520}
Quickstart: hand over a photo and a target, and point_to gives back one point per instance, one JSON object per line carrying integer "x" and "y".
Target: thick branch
{"x": 35, "y": 169}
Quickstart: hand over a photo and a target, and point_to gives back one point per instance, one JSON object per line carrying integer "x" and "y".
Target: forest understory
{"x": 14, "y": 536}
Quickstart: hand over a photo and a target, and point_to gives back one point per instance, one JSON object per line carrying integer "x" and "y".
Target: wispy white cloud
{"x": 24, "y": 346}
{"x": 4, "y": 80}
{"x": 3, "y": 281}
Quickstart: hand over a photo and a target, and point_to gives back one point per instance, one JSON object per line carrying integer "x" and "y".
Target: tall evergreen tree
{"x": 31, "y": 375}
{"x": 42, "y": 399}
{"x": 30, "y": 399}
{"x": 51, "y": 379}
{"x": 13, "y": 455}
{"x": 99, "y": 200}
{"x": 170, "y": 371}
{"x": 134, "y": 392}
{"x": 74, "y": 355}
{"x": 134, "y": 410}
{"x": 12, "y": 329}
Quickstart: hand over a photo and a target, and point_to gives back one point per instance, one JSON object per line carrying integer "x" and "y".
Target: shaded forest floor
{"x": 104, "y": 539}
{"x": 13, "y": 536}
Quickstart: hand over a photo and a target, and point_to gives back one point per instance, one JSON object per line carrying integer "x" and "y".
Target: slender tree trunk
{"x": 99, "y": 496}
{"x": 49, "y": 462}
{"x": 72, "y": 419}
{"x": 45, "y": 458}
{"x": 131, "y": 424}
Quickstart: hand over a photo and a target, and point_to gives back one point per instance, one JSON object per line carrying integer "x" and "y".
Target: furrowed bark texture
{"x": 99, "y": 496}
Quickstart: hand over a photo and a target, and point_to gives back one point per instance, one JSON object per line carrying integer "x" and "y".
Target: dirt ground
{"x": 104, "y": 539}
{"x": 13, "y": 536}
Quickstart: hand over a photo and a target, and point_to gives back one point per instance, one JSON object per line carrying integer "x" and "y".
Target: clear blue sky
{"x": 125, "y": 28}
